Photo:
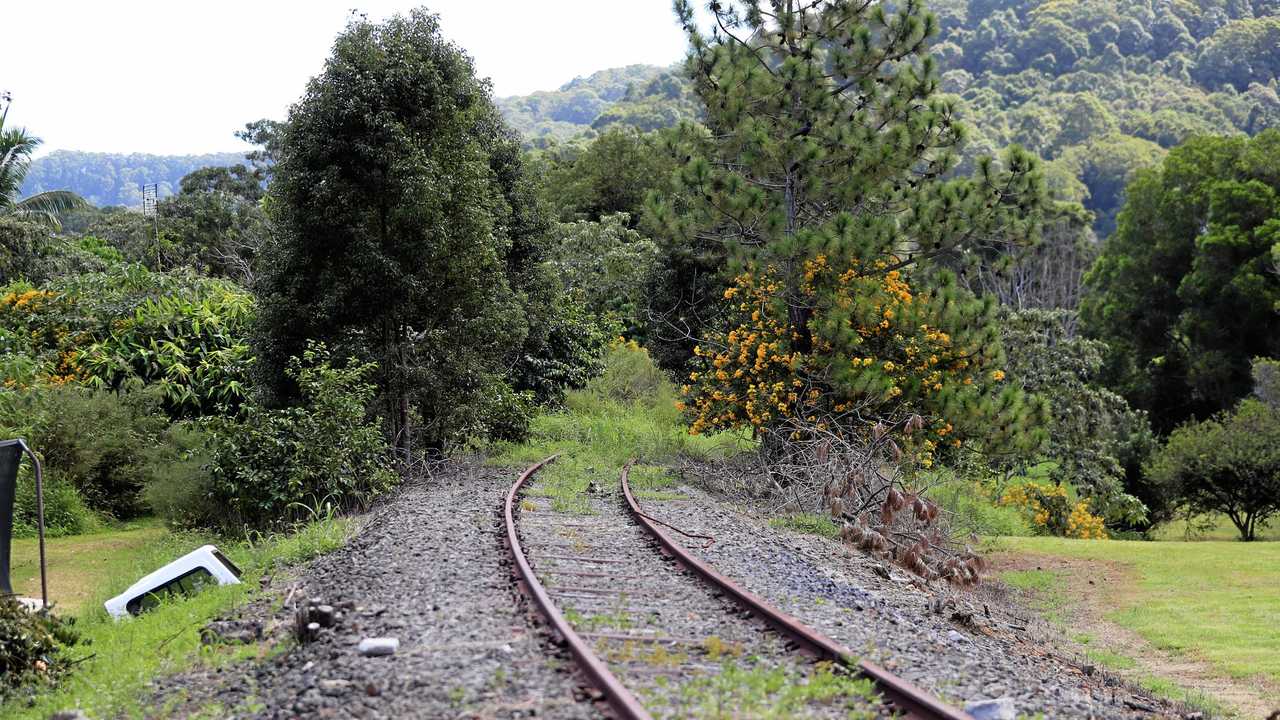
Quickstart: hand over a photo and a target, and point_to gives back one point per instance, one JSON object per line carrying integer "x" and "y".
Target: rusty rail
{"x": 904, "y": 697}
{"x": 619, "y": 698}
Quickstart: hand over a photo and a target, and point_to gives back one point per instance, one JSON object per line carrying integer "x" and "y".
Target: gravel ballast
{"x": 971, "y": 648}
{"x": 426, "y": 587}
{"x": 428, "y": 570}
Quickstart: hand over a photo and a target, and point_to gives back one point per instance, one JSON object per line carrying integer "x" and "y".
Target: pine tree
{"x": 823, "y": 172}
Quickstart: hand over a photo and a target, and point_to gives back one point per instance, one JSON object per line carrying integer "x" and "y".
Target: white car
{"x": 187, "y": 575}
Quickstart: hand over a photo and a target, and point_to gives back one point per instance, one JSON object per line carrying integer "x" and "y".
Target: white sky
{"x": 181, "y": 76}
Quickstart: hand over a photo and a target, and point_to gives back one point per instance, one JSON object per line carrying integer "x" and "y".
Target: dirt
{"x": 1093, "y": 588}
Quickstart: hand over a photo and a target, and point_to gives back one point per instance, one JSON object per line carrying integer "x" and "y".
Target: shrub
{"x": 629, "y": 375}
{"x": 1053, "y": 511}
{"x": 179, "y": 488}
{"x": 128, "y": 328}
{"x": 972, "y": 510}
{"x": 65, "y": 510}
{"x": 92, "y": 442}
{"x": 32, "y": 647}
{"x": 1228, "y": 464}
{"x": 562, "y": 355}
{"x": 269, "y": 467}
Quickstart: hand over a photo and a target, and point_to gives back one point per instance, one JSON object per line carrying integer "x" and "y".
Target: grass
{"x": 1213, "y": 600}
{"x": 758, "y": 691}
{"x": 1045, "y": 588}
{"x": 121, "y": 658}
{"x": 81, "y": 565}
{"x": 1210, "y": 527}
{"x": 607, "y": 424}
{"x": 808, "y": 523}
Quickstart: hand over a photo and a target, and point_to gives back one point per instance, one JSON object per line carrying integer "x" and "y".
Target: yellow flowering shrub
{"x": 872, "y": 350}
{"x": 34, "y": 322}
{"x": 1051, "y": 510}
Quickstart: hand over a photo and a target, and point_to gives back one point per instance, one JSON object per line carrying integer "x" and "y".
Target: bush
{"x": 270, "y": 467}
{"x": 179, "y": 488}
{"x": 972, "y": 511}
{"x": 32, "y": 647}
{"x": 1053, "y": 510}
{"x": 130, "y": 327}
{"x": 630, "y": 375}
{"x": 1228, "y": 464}
{"x": 92, "y": 442}
{"x": 65, "y": 511}
{"x": 564, "y": 355}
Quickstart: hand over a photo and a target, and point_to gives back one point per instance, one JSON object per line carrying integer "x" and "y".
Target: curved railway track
{"x": 577, "y": 569}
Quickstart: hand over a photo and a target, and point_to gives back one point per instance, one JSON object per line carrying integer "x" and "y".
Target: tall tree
{"x": 403, "y": 222}
{"x": 1183, "y": 291}
{"x": 16, "y": 147}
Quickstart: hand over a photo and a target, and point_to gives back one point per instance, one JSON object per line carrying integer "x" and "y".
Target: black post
{"x": 10, "y": 459}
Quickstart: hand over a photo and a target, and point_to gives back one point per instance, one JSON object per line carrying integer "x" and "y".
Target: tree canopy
{"x": 405, "y": 230}
{"x": 1184, "y": 291}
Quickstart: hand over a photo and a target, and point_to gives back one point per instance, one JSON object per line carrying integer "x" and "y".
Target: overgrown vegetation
{"x": 115, "y": 662}
{"x": 908, "y": 318}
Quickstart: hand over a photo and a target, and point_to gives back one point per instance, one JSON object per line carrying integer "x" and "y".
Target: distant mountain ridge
{"x": 116, "y": 178}
{"x": 646, "y": 97}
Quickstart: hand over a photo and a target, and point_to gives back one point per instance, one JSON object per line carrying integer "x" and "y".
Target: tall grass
{"x": 627, "y": 413}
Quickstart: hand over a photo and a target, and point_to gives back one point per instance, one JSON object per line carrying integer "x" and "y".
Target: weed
{"x": 808, "y": 523}
{"x": 754, "y": 690}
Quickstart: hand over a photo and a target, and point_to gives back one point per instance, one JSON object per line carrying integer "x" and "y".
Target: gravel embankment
{"x": 964, "y": 646}
{"x": 427, "y": 568}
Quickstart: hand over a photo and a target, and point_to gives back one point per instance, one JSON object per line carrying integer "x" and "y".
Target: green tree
{"x": 16, "y": 147}
{"x": 1229, "y": 464}
{"x": 1242, "y": 52}
{"x": 1104, "y": 165}
{"x": 611, "y": 174}
{"x": 1183, "y": 291}
{"x": 605, "y": 265}
{"x": 1095, "y": 440}
{"x": 404, "y": 220}
{"x": 216, "y": 222}
{"x": 822, "y": 173}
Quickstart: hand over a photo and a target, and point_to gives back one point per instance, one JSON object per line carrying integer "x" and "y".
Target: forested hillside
{"x": 1099, "y": 88}
{"x": 1102, "y": 88}
{"x": 642, "y": 96}
{"x": 116, "y": 179}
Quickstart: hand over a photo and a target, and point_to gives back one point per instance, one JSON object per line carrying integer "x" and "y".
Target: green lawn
{"x": 1215, "y": 600}
{"x": 120, "y": 658}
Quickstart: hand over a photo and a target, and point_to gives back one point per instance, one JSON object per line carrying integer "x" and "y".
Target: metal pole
{"x": 44, "y": 582}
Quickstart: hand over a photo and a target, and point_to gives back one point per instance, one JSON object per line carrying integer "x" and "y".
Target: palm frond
{"x": 16, "y": 147}
{"x": 45, "y": 207}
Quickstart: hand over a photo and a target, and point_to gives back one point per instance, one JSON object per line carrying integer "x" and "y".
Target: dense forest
{"x": 1099, "y": 89}
{"x": 106, "y": 179}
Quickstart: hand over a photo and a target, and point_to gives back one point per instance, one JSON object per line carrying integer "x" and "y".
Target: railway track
{"x": 659, "y": 642}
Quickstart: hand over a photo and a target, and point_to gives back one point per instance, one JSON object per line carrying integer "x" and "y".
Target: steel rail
{"x": 616, "y": 694}
{"x": 904, "y": 697}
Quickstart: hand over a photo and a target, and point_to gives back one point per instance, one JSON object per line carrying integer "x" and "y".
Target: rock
{"x": 370, "y": 647}
{"x": 325, "y": 615}
{"x": 69, "y": 715}
{"x": 334, "y": 688}
{"x": 955, "y": 636}
{"x": 998, "y": 709}
{"x": 221, "y": 632}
